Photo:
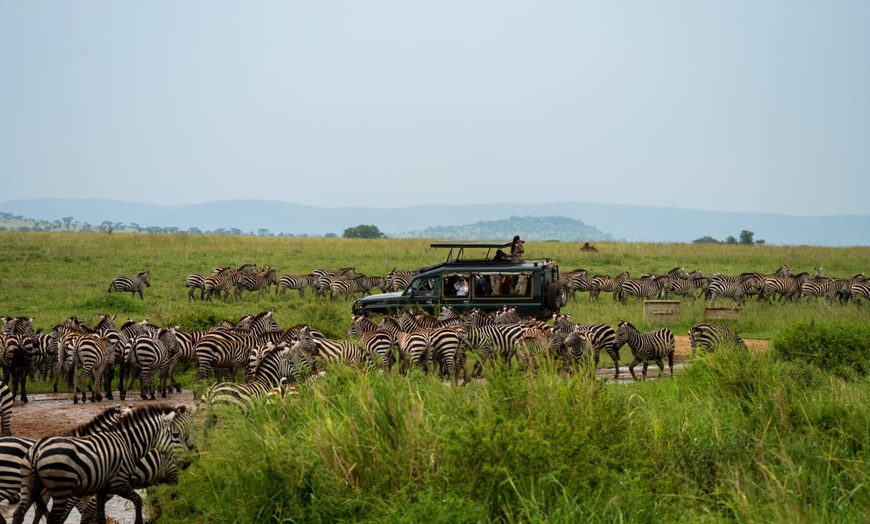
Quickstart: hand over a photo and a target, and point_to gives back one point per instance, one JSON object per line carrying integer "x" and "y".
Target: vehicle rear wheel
{"x": 554, "y": 299}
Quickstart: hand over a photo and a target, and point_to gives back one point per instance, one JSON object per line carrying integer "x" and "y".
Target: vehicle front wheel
{"x": 557, "y": 296}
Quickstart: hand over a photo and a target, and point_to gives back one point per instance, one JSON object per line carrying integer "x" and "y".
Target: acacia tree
{"x": 746, "y": 237}
{"x": 363, "y": 231}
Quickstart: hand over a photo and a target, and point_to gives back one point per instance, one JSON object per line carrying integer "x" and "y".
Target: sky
{"x": 742, "y": 105}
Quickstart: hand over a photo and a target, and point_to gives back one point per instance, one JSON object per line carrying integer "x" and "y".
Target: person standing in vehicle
{"x": 517, "y": 249}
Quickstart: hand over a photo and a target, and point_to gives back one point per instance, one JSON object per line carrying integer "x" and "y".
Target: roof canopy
{"x": 467, "y": 245}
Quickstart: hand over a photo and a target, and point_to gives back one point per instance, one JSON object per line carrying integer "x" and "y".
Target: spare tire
{"x": 553, "y": 298}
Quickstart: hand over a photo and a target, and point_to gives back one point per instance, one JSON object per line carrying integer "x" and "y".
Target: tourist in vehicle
{"x": 517, "y": 249}
{"x": 461, "y": 287}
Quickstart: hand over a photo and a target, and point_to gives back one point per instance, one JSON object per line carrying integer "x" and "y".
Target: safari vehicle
{"x": 493, "y": 282}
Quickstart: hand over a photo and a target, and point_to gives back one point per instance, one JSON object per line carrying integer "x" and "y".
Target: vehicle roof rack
{"x": 462, "y": 246}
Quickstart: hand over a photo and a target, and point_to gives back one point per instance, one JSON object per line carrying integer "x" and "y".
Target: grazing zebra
{"x": 600, "y": 283}
{"x": 378, "y": 342}
{"x": 735, "y": 288}
{"x": 707, "y": 336}
{"x": 297, "y": 282}
{"x": 654, "y": 345}
{"x": 328, "y": 350}
{"x": 100, "y": 464}
{"x": 133, "y": 285}
{"x": 259, "y": 282}
{"x": 279, "y": 362}
{"x": 16, "y": 359}
{"x": 600, "y": 336}
{"x": 194, "y": 282}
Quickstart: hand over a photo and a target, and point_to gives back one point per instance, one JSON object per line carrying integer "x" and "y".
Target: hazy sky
{"x": 755, "y": 106}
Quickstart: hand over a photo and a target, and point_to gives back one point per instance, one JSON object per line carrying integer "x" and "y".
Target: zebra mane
{"x": 105, "y": 322}
{"x": 627, "y": 323}
{"x": 145, "y": 411}
{"x": 108, "y": 417}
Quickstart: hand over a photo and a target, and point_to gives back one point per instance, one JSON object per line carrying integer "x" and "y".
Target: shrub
{"x": 832, "y": 346}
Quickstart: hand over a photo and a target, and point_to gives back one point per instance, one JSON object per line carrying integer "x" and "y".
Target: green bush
{"x": 843, "y": 348}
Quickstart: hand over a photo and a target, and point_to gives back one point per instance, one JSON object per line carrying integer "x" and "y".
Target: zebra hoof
{"x": 24, "y": 399}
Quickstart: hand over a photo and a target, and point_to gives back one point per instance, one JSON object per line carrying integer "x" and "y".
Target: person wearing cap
{"x": 517, "y": 249}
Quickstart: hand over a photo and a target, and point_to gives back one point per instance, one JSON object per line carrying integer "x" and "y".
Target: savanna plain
{"x": 780, "y": 435}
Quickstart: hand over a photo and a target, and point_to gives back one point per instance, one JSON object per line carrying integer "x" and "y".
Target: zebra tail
{"x": 71, "y": 372}
{"x": 35, "y": 483}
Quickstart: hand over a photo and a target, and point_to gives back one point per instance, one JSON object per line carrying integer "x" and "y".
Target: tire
{"x": 563, "y": 295}
{"x": 553, "y": 298}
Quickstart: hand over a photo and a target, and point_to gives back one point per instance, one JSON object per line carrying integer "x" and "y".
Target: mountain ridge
{"x": 630, "y": 223}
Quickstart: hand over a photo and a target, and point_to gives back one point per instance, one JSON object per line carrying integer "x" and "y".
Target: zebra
{"x": 323, "y": 278}
{"x": 14, "y": 450}
{"x": 600, "y": 283}
{"x": 153, "y": 353}
{"x": 643, "y": 287}
{"x": 297, "y": 282}
{"x": 324, "y": 349}
{"x": 708, "y": 336}
{"x": 6, "y": 400}
{"x": 735, "y": 288}
{"x": 259, "y": 282}
{"x": 124, "y": 284}
{"x": 686, "y": 287}
{"x": 600, "y": 336}
{"x": 507, "y": 315}
{"x": 88, "y": 353}
{"x": 100, "y": 464}
{"x": 822, "y": 287}
{"x": 16, "y": 358}
{"x": 654, "y": 345}
{"x": 860, "y": 292}
{"x": 194, "y": 282}
{"x": 278, "y": 362}
{"x": 398, "y": 280}
{"x": 229, "y": 349}
{"x": 787, "y": 287}
{"x": 377, "y": 341}
{"x": 576, "y": 280}
{"x": 221, "y": 284}
{"x": 444, "y": 347}
{"x": 350, "y": 286}
{"x": 413, "y": 349}
{"x": 495, "y": 340}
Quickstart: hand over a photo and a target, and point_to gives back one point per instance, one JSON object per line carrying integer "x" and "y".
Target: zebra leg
{"x": 661, "y": 366}
{"x": 631, "y": 366}
{"x": 670, "y": 362}
{"x": 23, "y": 386}
{"x": 645, "y": 365}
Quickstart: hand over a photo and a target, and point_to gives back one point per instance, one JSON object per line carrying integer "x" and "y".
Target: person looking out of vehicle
{"x": 517, "y": 249}
{"x": 461, "y": 287}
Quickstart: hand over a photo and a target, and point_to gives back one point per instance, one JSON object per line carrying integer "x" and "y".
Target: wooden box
{"x": 661, "y": 311}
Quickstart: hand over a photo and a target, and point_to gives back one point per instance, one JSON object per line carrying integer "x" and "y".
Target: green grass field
{"x": 780, "y": 436}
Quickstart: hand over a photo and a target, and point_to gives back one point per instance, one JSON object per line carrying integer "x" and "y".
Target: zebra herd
{"x": 332, "y": 283}
{"x": 781, "y": 285}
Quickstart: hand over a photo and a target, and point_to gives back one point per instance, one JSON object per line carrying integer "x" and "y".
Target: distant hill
{"x": 621, "y": 222}
{"x": 532, "y": 228}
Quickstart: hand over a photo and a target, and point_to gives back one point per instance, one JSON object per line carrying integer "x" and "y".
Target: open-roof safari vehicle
{"x": 532, "y": 286}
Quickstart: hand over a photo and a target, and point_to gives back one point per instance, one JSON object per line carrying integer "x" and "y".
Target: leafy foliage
{"x": 363, "y": 231}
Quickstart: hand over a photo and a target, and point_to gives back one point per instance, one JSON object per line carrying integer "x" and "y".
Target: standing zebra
{"x": 736, "y": 288}
{"x": 16, "y": 359}
{"x": 600, "y": 283}
{"x": 297, "y": 282}
{"x": 707, "y": 336}
{"x": 124, "y": 284}
{"x": 643, "y": 287}
{"x": 152, "y": 353}
{"x": 328, "y": 350}
{"x": 654, "y": 345}
{"x": 600, "y": 336}
{"x": 194, "y": 282}
{"x": 5, "y": 410}
{"x": 398, "y": 280}
{"x": 259, "y": 282}
{"x": 229, "y": 348}
{"x": 101, "y": 464}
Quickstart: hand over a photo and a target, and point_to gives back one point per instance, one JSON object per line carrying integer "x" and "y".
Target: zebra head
{"x": 145, "y": 278}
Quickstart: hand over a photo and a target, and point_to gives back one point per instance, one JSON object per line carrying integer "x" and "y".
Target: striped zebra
{"x": 829, "y": 288}
{"x": 654, "y": 345}
{"x": 350, "y": 286}
{"x": 258, "y": 283}
{"x": 735, "y": 288}
{"x": 6, "y": 399}
{"x": 376, "y": 341}
{"x": 133, "y": 285}
{"x": 600, "y": 336}
{"x": 495, "y": 340}
{"x": 599, "y": 283}
{"x": 323, "y": 278}
{"x": 686, "y": 287}
{"x": 642, "y": 287}
{"x": 279, "y": 362}
{"x": 328, "y": 350}
{"x": 398, "y": 280}
{"x": 16, "y": 359}
{"x": 576, "y": 280}
{"x": 860, "y": 292}
{"x": 88, "y": 355}
{"x": 444, "y": 348}
{"x": 709, "y": 337}
{"x": 152, "y": 353}
{"x": 101, "y": 464}
{"x": 569, "y": 346}
{"x": 787, "y": 287}
{"x": 297, "y": 282}
{"x": 44, "y": 356}
{"x": 194, "y": 282}
{"x": 228, "y": 349}
{"x": 13, "y": 450}
{"x": 221, "y": 284}
{"x": 413, "y": 350}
